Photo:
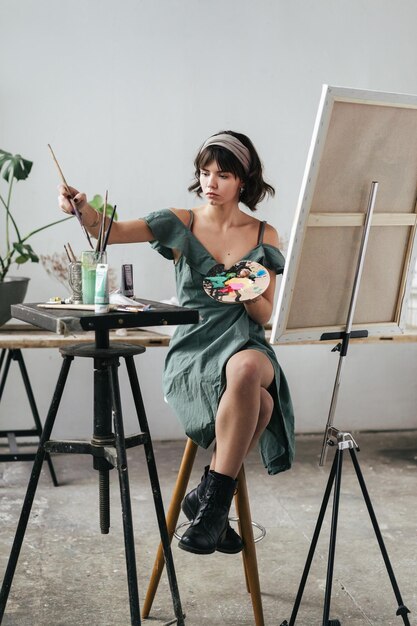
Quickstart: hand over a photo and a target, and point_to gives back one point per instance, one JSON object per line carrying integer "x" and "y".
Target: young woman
{"x": 221, "y": 377}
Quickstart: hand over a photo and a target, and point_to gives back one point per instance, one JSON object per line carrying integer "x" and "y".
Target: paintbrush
{"x": 68, "y": 254}
{"x": 71, "y": 201}
{"x": 73, "y": 257}
{"x": 106, "y": 238}
{"x": 103, "y": 223}
{"x": 100, "y": 236}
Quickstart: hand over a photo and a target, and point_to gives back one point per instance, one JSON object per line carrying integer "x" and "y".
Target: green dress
{"x": 194, "y": 374}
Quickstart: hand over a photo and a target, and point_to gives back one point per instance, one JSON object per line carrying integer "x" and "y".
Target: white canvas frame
{"x": 402, "y": 110}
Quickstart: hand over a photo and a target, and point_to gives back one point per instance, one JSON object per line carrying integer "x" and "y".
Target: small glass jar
{"x": 89, "y": 261}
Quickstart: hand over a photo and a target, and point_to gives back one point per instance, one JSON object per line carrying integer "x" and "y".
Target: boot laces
{"x": 207, "y": 505}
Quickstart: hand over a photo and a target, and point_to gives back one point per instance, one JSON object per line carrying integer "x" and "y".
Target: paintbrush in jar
{"x": 100, "y": 238}
{"x": 106, "y": 238}
{"x": 71, "y": 252}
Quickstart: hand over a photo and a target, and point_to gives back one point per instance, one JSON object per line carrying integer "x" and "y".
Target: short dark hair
{"x": 255, "y": 188}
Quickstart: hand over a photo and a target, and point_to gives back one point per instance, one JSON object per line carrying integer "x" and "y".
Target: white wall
{"x": 126, "y": 92}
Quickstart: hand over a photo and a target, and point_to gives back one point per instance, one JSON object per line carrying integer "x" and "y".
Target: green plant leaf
{"x": 15, "y": 165}
{"x": 26, "y": 253}
{"x": 98, "y": 204}
{"x": 19, "y": 247}
{"x": 21, "y": 259}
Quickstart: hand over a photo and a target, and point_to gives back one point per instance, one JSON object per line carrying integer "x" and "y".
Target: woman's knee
{"x": 243, "y": 369}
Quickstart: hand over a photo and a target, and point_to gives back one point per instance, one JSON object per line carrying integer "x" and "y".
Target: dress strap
{"x": 261, "y": 232}
{"x": 191, "y": 220}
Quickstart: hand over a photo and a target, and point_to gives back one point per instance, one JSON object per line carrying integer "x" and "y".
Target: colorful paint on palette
{"x": 243, "y": 281}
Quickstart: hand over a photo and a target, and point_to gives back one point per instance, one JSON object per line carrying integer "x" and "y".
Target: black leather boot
{"x": 208, "y": 529}
{"x": 232, "y": 543}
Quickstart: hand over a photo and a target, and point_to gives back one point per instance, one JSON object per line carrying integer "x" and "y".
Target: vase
{"x": 12, "y": 291}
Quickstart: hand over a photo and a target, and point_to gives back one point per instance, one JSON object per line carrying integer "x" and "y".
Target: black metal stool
{"x": 108, "y": 451}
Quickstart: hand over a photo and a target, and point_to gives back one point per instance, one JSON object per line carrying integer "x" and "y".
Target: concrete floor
{"x": 69, "y": 574}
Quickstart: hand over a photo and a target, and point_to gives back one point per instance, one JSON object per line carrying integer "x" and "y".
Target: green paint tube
{"x": 101, "y": 298}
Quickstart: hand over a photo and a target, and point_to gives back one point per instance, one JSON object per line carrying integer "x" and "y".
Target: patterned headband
{"x": 231, "y": 143}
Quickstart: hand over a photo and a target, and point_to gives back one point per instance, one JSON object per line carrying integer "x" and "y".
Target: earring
{"x": 242, "y": 189}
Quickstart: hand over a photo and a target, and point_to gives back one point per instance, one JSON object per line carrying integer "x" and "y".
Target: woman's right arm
{"x": 128, "y": 231}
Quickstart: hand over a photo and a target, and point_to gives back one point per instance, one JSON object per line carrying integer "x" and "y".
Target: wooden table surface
{"x": 21, "y": 335}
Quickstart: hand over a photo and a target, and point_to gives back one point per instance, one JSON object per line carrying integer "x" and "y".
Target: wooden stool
{"x": 245, "y": 528}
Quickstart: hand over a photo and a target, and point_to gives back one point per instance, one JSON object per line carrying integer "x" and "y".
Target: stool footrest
{"x": 77, "y": 446}
{"x": 137, "y": 440}
{"x": 262, "y": 529}
{"x": 73, "y": 447}
{"x": 107, "y": 451}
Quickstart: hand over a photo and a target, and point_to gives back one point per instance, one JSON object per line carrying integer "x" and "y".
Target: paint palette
{"x": 244, "y": 281}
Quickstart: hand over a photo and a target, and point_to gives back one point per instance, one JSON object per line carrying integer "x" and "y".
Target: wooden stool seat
{"x": 245, "y": 528}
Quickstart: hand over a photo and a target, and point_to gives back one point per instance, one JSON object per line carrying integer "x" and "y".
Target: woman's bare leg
{"x": 267, "y": 406}
{"x": 244, "y": 409}
{"x": 243, "y": 413}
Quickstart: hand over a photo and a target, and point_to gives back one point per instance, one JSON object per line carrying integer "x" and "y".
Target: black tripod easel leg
{"x": 32, "y": 486}
{"x": 313, "y": 545}
{"x": 338, "y": 460}
{"x": 156, "y": 490}
{"x": 402, "y": 609}
{"x": 336, "y": 477}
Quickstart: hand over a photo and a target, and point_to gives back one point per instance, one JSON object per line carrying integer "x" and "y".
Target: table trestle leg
{"x": 32, "y": 486}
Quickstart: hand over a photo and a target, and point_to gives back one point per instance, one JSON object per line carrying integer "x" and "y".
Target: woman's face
{"x": 219, "y": 187}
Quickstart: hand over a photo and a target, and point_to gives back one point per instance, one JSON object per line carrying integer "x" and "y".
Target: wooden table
{"x": 21, "y": 336}
{"x": 24, "y": 335}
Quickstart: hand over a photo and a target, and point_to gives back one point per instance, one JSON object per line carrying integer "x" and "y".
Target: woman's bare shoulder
{"x": 271, "y": 236}
{"x": 182, "y": 214}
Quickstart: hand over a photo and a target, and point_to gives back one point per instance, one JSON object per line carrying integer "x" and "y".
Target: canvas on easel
{"x": 348, "y": 267}
{"x": 359, "y": 137}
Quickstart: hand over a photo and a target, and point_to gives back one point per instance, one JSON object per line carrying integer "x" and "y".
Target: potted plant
{"x": 15, "y": 248}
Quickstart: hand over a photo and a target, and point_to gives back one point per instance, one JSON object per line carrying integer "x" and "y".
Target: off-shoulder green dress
{"x": 194, "y": 374}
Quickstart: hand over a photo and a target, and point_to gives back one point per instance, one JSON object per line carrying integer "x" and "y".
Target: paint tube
{"x": 101, "y": 298}
{"x": 127, "y": 280}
